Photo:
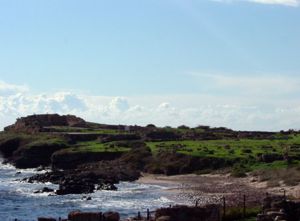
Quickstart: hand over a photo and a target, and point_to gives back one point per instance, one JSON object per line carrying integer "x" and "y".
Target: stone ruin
{"x": 278, "y": 208}
{"x": 39, "y": 123}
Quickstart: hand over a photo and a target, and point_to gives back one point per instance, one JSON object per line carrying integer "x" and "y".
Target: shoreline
{"x": 211, "y": 188}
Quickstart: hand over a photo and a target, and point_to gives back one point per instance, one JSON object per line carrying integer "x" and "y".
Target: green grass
{"x": 96, "y": 147}
{"x": 246, "y": 151}
{"x": 229, "y": 148}
{"x": 47, "y": 141}
{"x": 32, "y": 140}
{"x": 236, "y": 214}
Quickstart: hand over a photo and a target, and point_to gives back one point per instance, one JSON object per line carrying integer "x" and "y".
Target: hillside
{"x": 120, "y": 152}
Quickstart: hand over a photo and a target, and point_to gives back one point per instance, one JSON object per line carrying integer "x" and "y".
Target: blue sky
{"x": 231, "y": 63}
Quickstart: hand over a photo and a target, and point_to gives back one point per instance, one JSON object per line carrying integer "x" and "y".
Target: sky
{"x": 232, "y": 63}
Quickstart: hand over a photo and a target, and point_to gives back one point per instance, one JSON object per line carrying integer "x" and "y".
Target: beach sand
{"x": 211, "y": 188}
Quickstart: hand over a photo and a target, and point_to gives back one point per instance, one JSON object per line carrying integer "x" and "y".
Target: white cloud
{"x": 9, "y": 89}
{"x": 292, "y": 3}
{"x": 119, "y": 104}
{"x": 255, "y": 85}
{"x": 237, "y": 112}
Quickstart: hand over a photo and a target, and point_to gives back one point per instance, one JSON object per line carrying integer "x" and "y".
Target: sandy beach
{"x": 211, "y": 188}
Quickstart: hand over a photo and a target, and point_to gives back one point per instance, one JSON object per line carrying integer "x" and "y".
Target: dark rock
{"x": 86, "y": 198}
{"x": 269, "y": 158}
{"x": 9, "y": 145}
{"x": 184, "y": 213}
{"x": 46, "y": 219}
{"x": 111, "y": 216}
{"x": 37, "y": 123}
{"x": 45, "y": 190}
{"x": 70, "y": 160}
{"x": 162, "y": 135}
{"x": 35, "y": 154}
{"x": 75, "y": 187}
{"x": 106, "y": 186}
{"x": 84, "y": 216}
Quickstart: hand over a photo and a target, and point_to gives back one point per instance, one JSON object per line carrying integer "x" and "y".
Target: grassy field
{"x": 242, "y": 148}
{"x": 94, "y": 146}
{"x": 245, "y": 150}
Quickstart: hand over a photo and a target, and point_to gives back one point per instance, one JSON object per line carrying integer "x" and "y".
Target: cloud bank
{"x": 257, "y": 107}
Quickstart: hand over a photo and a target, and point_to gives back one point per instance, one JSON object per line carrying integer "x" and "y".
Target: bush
{"x": 236, "y": 213}
{"x": 239, "y": 171}
{"x": 246, "y": 150}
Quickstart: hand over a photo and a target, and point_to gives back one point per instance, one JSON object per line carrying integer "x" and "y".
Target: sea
{"x": 19, "y": 202}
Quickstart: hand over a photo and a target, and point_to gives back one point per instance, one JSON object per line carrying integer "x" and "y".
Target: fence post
{"x": 244, "y": 206}
{"x": 224, "y": 207}
{"x": 148, "y": 214}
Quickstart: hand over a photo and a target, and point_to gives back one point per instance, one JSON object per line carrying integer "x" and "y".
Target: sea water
{"x": 18, "y": 200}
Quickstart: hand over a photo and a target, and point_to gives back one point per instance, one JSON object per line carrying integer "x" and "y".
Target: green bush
{"x": 239, "y": 170}
{"x": 236, "y": 213}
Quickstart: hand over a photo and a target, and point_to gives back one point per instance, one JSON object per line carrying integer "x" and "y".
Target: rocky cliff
{"x": 38, "y": 123}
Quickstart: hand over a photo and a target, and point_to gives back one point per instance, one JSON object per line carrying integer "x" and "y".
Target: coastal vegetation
{"x": 85, "y": 156}
{"x": 173, "y": 150}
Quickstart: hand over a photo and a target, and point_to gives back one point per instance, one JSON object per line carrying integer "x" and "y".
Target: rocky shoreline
{"x": 175, "y": 213}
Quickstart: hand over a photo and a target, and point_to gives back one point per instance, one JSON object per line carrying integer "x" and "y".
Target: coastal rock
{"x": 75, "y": 187}
{"x": 65, "y": 159}
{"x": 46, "y": 219}
{"x": 38, "y": 123}
{"x": 76, "y": 181}
{"x": 184, "y": 213}
{"x": 44, "y": 190}
{"x": 164, "y": 218}
{"x": 106, "y": 186}
{"x": 84, "y": 216}
{"x": 35, "y": 154}
{"x": 111, "y": 216}
{"x": 9, "y": 145}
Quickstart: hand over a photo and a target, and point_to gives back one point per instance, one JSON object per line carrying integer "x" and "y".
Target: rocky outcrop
{"x": 46, "y": 219}
{"x": 277, "y": 208}
{"x": 184, "y": 213}
{"x": 269, "y": 158}
{"x": 35, "y": 154}
{"x": 87, "y": 178}
{"x": 37, "y": 123}
{"x": 111, "y": 216}
{"x": 70, "y": 160}
{"x": 9, "y": 145}
{"x": 93, "y": 216}
{"x": 173, "y": 163}
{"x": 75, "y": 186}
{"x": 161, "y": 135}
{"x": 85, "y": 216}
{"x": 45, "y": 190}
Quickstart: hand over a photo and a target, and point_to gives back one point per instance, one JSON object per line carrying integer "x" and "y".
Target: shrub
{"x": 246, "y": 150}
{"x": 239, "y": 170}
{"x": 236, "y": 213}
